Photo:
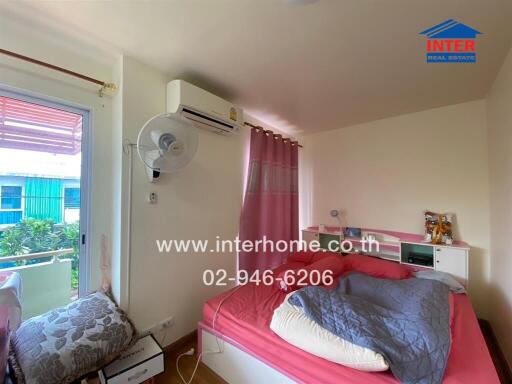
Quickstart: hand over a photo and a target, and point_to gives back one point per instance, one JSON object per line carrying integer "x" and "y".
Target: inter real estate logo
{"x": 451, "y": 42}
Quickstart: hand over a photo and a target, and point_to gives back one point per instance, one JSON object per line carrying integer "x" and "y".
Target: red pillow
{"x": 323, "y": 254}
{"x": 301, "y": 256}
{"x": 318, "y": 273}
{"x": 290, "y": 265}
{"x": 376, "y": 267}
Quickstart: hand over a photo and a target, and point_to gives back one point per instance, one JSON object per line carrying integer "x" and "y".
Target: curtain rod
{"x": 104, "y": 85}
{"x": 267, "y": 131}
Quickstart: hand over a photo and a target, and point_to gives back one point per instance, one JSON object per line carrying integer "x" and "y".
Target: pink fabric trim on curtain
{"x": 271, "y": 205}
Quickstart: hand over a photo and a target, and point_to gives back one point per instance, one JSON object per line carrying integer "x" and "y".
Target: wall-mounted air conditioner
{"x": 204, "y": 109}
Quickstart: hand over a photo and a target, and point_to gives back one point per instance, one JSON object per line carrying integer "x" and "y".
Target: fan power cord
{"x": 191, "y": 351}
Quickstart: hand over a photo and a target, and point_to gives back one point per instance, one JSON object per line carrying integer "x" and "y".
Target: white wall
{"x": 499, "y": 123}
{"x": 201, "y": 201}
{"x": 46, "y": 83}
{"x": 384, "y": 174}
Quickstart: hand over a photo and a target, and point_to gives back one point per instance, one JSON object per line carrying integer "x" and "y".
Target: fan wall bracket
{"x": 153, "y": 175}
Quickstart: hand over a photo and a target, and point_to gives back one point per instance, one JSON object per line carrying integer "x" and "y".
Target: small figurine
{"x": 438, "y": 228}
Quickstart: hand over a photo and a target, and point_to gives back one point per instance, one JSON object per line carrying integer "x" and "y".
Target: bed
{"x": 252, "y": 353}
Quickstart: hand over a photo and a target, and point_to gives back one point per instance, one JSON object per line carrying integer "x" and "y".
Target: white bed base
{"x": 236, "y": 364}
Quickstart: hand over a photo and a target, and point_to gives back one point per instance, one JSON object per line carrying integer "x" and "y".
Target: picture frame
{"x": 352, "y": 232}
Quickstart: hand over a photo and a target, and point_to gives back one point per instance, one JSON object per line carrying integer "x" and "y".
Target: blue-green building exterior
{"x": 38, "y": 197}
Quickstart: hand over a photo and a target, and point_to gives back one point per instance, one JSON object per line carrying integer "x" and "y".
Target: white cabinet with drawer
{"x": 407, "y": 249}
{"x": 453, "y": 261}
{"x": 141, "y": 362}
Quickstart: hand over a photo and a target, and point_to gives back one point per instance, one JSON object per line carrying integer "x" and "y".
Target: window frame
{"x": 22, "y": 198}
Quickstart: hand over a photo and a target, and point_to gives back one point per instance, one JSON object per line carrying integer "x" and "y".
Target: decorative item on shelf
{"x": 438, "y": 228}
{"x": 352, "y": 232}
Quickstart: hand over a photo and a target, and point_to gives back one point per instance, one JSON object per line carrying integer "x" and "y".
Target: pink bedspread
{"x": 245, "y": 317}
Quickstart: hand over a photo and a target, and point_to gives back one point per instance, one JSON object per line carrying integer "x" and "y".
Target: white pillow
{"x": 291, "y": 324}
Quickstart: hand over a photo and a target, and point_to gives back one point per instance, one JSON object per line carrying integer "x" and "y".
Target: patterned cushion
{"x": 67, "y": 343}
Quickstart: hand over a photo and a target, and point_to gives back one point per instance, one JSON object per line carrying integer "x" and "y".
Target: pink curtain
{"x": 271, "y": 207}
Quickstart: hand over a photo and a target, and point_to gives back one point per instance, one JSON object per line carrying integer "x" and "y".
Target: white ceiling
{"x": 320, "y": 66}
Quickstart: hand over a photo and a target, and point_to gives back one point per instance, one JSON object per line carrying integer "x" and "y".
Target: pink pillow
{"x": 376, "y": 267}
{"x": 313, "y": 274}
{"x": 301, "y": 256}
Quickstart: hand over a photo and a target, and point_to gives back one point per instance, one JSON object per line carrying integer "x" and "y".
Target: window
{"x": 72, "y": 198}
{"x": 50, "y": 140}
{"x": 10, "y": 197}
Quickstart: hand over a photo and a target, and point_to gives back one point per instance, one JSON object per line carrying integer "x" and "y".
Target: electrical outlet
{"x": 160, "y": 326}
{"x": 166, "y": 323}
{"x": 152, "y": 198}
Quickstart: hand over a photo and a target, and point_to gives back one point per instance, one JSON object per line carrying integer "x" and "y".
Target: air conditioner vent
{"x": 187, "y": 112}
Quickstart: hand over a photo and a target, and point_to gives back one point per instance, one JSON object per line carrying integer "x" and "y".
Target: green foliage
{"x": 11, "y": 242}
{"x": 29, "y": 236}
{"x": 69, "y": 237}
{"x": 32, "y": 235}
{"x": 74, "y": 278}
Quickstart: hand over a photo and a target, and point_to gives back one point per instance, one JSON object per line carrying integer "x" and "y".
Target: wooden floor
{"x": 497, "y": 355}
{"x": 205, "y": 375}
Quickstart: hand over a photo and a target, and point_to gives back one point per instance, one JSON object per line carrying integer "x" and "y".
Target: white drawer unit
{"x": 141, "y": 362}
{"x": 453, "y": 261}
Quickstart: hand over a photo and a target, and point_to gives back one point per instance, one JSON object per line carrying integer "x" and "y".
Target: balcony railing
{"x": 46, "y": 285}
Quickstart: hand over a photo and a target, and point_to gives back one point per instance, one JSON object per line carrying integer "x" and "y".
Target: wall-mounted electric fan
{"x": 166, "y": 143}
